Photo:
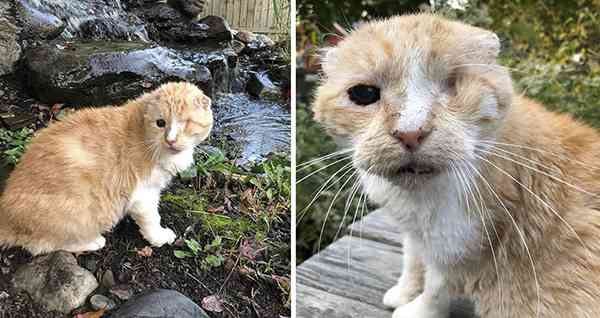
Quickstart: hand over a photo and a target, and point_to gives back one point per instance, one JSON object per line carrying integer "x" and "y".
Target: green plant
{"x": 210, "y": 255}
{"x": 14, "y": 144}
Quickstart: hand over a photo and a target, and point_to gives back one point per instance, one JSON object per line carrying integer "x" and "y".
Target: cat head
{"x": 413, "y": 94}
{"x": 177, "y": 117}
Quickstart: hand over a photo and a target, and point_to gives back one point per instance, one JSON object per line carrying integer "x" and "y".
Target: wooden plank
{"x": 380, "y": 226}
{"x": 314, "y": 303}
{"x": 361, "y": 270}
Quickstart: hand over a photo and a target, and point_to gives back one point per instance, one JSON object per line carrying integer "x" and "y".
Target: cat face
{"x": 413, "y": 94}
{"x": 178, "y": 117}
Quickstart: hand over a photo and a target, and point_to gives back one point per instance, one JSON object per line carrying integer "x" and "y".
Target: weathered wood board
{"x": 348, "y": 278}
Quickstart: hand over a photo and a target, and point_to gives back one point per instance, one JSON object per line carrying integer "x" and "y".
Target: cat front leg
{"x": 144, "y": 210}
{"x": 434, "y": 302}
{"x": 410, "y": 284}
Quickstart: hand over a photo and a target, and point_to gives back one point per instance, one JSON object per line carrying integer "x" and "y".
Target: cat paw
{"x": 421, "y": 309}
{"x": 402, "y": 293}
{"x": 161, "y": 236}
{"x": 94, "y": 245}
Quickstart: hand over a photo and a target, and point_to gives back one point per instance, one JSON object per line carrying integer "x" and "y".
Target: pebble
{"x": 4, "y": 295}
{"x": 108, "y": 279}
{"x": 99, "y": 302}
{"x": 122, "y": 292}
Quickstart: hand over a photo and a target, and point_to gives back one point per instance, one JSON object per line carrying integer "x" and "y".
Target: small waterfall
{"x": 94, "y": 18}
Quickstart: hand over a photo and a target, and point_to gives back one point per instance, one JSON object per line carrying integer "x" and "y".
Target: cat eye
{"x": 364, "y": 94}
{"x": 161, "y": 123}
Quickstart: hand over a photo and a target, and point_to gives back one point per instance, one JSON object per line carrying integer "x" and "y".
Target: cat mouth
{"x": 417, "y": 169}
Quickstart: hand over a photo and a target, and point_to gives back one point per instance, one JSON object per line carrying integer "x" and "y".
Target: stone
{"x": 161, "y": 303}
{"x": 245, "y": 36}
{"x": 191, "y": 8}
{"x": 10, "y": 50}
{"x": 100, "y": 73}
{"x": 108, "y": 279}
{"x": 123, "y": 292}
{"x": 266, "y": 40}
{"x": 36, "y": 23}
{"x": 260, "y": 86}
{"x": 168, "y": 25}
{"x": 99, "y": 302}
{"x": 237, "y": 46}
{"x": 55, "y": 281}
{"x": 218, "y": 28}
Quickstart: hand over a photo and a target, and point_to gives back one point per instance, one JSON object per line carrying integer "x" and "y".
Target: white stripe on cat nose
{"x": 172, "y": 135}
{"x": 419, "y": 97}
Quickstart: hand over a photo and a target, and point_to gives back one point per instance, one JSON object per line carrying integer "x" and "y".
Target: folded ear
{"x": 205, "y": 102}
{"x": 485, "y": 43}
{"x": 328, "y": 58}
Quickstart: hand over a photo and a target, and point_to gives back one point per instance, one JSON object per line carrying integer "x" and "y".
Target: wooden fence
{"x": 259, "y": 16}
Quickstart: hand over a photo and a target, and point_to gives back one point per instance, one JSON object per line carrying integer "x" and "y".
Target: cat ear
{"x": 489, "y": 44}
{"x": 328, "y": 58}
{"x": 204, "y": 102}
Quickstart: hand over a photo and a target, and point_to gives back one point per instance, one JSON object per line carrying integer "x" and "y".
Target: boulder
{"x": 168, "y": 25}
{"x": 162, "y": 303}
{"x": 36, "y": 23}
{"x": 191, "y": 8}
{"x": 100, "y": 73}
{"x": 10, "y": 50}
{"x": 55, "y": 281}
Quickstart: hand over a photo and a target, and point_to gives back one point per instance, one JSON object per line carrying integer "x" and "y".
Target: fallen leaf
{"x": 92, "y": 314}
{"x": 216, "y": 210}
{"x": 248, "y": 251}
{"x": 212, "y": 303}
{"x": 145, "y": 252}
{"x": 283, "y": 282}
{"x": 56, "y": 108}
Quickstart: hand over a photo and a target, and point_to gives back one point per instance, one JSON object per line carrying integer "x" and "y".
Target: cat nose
{"x": 171, "y": 142}
{"x": 411, "y": 140}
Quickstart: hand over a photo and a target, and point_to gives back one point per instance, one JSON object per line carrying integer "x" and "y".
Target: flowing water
{"x": 259, "y": 127}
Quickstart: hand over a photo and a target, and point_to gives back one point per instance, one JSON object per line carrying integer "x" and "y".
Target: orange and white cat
{"x": 80, "y": 176}
{"x": 498, "y": 197}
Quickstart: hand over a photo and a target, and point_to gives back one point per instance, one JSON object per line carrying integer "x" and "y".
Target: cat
{"x": 497, "y": 197}
{"x": 81, "y": 175}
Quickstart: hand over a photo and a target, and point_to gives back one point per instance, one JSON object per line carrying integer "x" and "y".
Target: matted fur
{"x": 76, "y": 179}
{"x": 530, "y": 247}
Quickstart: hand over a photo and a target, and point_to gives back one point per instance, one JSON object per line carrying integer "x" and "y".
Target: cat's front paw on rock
{"x": 161, "y": 237}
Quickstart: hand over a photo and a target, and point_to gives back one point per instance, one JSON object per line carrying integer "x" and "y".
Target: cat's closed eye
{"x": 364, "y": 94}
{"x": 161, "y": 123}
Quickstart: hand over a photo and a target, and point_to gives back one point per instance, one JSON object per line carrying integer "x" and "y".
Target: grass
{"x": 14, "y": 144}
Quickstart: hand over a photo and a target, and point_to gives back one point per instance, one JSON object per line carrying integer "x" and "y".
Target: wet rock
{"x": 55, "y": 281}
{"x": 168, "y": 25}
{"x": 4, "y": 295}
{"x": 264, "y": 39}
{"x": 108, "y": 279}
{"x": 260, "y": 42}
{"x": 245, "y": 36}
{"x": 191, "y": 8}
{"x": 237, "y": 46}
{"x": 99, "y": 73}
{"x": 162, "y": 303}
{"x": 109, "y": 14}
{"x": 10, "y": 50}
{"x": 260, "y": 86}
{"x": 218, "y": 28}
{"x": 102, "y": 302}
{"x": 123, "y": 292}
{"x": 36, "y": 23}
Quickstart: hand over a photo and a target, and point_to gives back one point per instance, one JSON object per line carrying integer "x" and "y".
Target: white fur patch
{"x": 173, "y": 131}
{"x": 419, "y": 96}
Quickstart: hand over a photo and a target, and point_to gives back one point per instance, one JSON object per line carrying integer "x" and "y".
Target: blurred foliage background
{"x": 552, "y": 48}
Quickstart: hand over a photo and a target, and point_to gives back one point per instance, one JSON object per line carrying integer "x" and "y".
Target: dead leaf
{"x": 56, "y": 108}
{"x": 216, "y": 210}
{"x": 146, "y": 85}
{"x": 91, "y": 314}
{"x": 145, "y": 252}
{"x": 212, "y": 303}
{"x": 248, "y": 250}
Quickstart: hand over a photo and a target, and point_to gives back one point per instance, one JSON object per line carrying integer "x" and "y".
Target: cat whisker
{"x": 346, "y": 169}
{"x": 322, "y": 158}
{"x": 519, "y": 232}
{"x": 321, "y": 169}
{"x": 331, "y": 206}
